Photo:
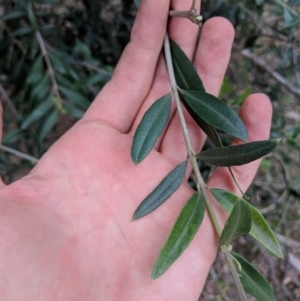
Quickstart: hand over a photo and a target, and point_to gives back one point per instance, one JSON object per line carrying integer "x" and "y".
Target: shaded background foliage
{"x": 84, "y": 39}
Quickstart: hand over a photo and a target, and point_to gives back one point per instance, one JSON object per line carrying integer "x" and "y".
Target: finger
{"x": 1, "y": 134}
{"x": 256, "y": 114}
{"x": 214, "y": 52}
{"x": 119, "y": 101}
{"x": 184, "y": 33}
{"x": 211, "y": 62}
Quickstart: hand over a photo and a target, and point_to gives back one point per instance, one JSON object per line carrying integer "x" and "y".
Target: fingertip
{"x": 224, "y": 26}
{"x": 256, "y": 113}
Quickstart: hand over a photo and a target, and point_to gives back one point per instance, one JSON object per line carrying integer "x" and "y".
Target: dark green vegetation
{"x": 84, "y": 40}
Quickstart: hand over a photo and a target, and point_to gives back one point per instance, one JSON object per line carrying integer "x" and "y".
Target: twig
{"x": 92, "y": 67}
{"x": 264, "y": 27}
{"x": 263, "y": 65}
{"x": 294, "y": 12}
{"x": 8, "y": 101}
{"x": 235, "y": 275}
{"x": 22, "y": 47}
{"x": 58, "y": 100}
{"x": 201, "y": 187}
{"x": 120, "y": 16}
{"x": 288, "y": 241}
{"x": 18, "y": 154}
{"x": 191, "y": 14}
{"x": 285, "y": 194}
{"x": 219, "y": 287}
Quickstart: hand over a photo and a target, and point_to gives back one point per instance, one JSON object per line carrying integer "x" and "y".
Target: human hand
{"x": 66, "y": 228}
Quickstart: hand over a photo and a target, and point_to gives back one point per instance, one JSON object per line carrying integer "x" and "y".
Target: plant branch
{"x": 58, "y": 100}
{"x": 235, "y": 275}
{"x": 264, "y": 28}
{"x": 294, "y": 12}
{"x": 263, "y": 65}
{"x": 201, "y": 187}
{"x": 18, "y": 154}
{"x": 191, "y": 14}
{"x": 8, "y": 101}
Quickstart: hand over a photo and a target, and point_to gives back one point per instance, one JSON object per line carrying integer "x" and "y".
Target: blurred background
{"x": 56, "y": 55}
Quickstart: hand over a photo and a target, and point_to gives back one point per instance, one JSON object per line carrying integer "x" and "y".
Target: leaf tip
{"x": 136, "y": 216}
{"x": 155, "y": 273}
{"x": 277, "y": 140}
{"x": 134, "y": 160}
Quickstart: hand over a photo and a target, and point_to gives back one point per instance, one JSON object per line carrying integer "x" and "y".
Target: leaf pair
{"x": 260, "y": 230}
{"x": 186, "y": 225}
{"x": 208, "y": 111}
{"x": 244, "y": 219}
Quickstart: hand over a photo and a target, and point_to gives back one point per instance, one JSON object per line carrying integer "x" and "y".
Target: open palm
{"x": 66, "y": 229}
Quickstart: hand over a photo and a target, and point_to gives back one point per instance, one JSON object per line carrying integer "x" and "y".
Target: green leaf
{"x": 22, "y": 31}
{"x": 150, "y": 128}
{"x": 238, "y": 223}
{"x": 72, "y": 110}
{"x": 96, "y": 79}
{"x": 238, "y": 154}
{"x": 37, "y": 113}
{"x": 215, "y": 112}
{"x": 243, "y": 96}
{"x": 183, "y": 232}
{"x": 259, "y": 2}
{"x": 59, "y": 65}
{"x": 31, "y": 17}
{"x": 137, "y": 3}
{"x": 75, "y": 97}
{"x": 226, "y": 87}
{"x": 209, "y": 130}
{"x": 13, "y": 136}
{"x": 187, "y": 78}
{"x": 13, "y": 15}
{"x": 162, "y": 192}
{"x": 186, "y": 75}
{"x": 41, "y": 90}
{"x": 47, "y": 125}
{"x": 260, "y": 230}
{"x": 225, "y": 198}
{"x": 36, "y": 72}
{"x": 253, "y": 281}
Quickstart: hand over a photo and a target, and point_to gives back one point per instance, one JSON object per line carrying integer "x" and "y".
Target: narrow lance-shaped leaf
{"x": 262, "y": 232}
{"x": 253, "y": 281}
{"x": 209, "y": 130}
{"x": 238, "y": 154}
{"x": 215, "y": 112}
{"x": 186, "y": 75}
{"x": 162, "y": 192}
{"x": 238, "y": 223}
{"x": 183, "y": 232}
{"x": 260, "y": 229}
{"x": 150, "y": 128}
{"x": 187, "y": 78}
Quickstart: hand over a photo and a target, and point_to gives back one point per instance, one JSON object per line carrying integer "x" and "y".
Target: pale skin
{"x": 66, "y": 229}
